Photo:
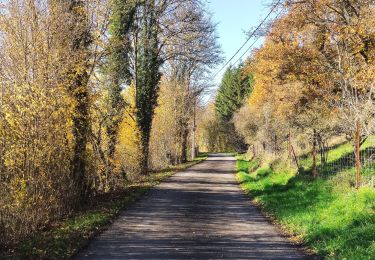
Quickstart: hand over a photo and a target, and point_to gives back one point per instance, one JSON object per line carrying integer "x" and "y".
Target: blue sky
{"x": 234, "y": 17}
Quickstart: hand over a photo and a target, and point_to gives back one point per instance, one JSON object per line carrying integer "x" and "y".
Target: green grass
{"x": 337, "y": 153}
{"x": 64, "y": 239}
{"x": 340, "y": 164}
{"x": 337, "y": 222}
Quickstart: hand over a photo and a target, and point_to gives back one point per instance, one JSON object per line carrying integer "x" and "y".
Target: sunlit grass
{"x": 336, "y": 222}
{"x": 337, "y": 153}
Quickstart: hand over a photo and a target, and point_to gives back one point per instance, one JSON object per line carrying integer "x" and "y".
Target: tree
{"x": 79, "y": 40}
{"x": 233, "y": 91}
{"x": 80, "y": 44}
{"x": 162, "y": 32}
{"x": 147, "y": 75}
{"x": 194, "y": 55}
{"x": 121, "y": 22}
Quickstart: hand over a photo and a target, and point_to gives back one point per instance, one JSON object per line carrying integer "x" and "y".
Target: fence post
{"x": 295, "y": 157}
{"x": 289, "y": 144}
{"x": 314, "y": 154}
{"x": 275, "y": 145}
{"x": 357, "y": 155}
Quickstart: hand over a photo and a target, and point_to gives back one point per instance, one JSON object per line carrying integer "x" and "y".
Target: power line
{"x": 256, "y": 40}
{"x": 248, "y": 39}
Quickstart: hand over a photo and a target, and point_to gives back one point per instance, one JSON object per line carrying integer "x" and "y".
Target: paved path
{"x": 200, "y": 213}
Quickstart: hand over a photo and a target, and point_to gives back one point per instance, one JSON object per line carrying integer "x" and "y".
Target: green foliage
{"x": 233, "y": 91}
{"x": 334, "y": 220}
{"x": 121, "y": 23}
{"x": 147, "y": 77}
{"x": 337, "y": 162}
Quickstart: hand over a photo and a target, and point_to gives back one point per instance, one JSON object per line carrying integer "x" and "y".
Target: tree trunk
{"x": 143, "y": 167}
{"x": 80, "y": 133}
{"x": 290, "y": 147}
{"x": 78, "y": 88}
{"x": 184, "y": 144}
{"x": 193, "y": 135}
{"x": 116, "y": 110}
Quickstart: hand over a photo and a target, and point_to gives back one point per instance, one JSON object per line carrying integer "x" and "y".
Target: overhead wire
{"x": 249, "y": 48}
{"x": 248, "y": 39}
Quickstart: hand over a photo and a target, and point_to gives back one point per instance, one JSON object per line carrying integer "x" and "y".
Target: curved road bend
{"x": 200, "y": 213}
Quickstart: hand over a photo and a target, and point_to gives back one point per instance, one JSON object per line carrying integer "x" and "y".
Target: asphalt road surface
{"x": 200, "y": 213}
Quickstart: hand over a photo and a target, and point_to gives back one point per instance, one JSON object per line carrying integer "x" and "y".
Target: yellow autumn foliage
{"x": 128, "y": 150}
{"x": 314, "y": 75}
{"x": 171, "y": 128}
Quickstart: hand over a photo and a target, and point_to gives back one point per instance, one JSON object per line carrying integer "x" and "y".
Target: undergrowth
{"x": 66, "y": 237}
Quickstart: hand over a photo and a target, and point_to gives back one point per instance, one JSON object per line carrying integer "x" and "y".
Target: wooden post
{"x": 275, "y": 145}
{"x": 290, "y": 147}
{"x": 314, "y": 154}
{"x": 357, "y": 155}
{"x": 295, "y": 157}
{"x": 289, "y": 144}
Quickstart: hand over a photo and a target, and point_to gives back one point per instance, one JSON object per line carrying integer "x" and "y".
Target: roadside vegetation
{"x": 91, "y": 106}
{"x": 64, "y": 238}
{"x": 328, "y": 215}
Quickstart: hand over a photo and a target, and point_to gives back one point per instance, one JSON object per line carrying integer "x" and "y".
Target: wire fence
{"x": 343, "y": 159}
{"x": 335, "y": 161}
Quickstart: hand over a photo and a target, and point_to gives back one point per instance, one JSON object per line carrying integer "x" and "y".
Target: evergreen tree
{"x": 233, "y": 91}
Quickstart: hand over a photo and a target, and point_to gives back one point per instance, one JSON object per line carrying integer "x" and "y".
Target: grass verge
{"x": 336, "y": 221}
{"x": 65, "y": 238}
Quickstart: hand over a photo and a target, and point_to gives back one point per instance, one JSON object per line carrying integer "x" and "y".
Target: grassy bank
{"x": 332, "y": 218}
{"x": 65, "y": 238}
